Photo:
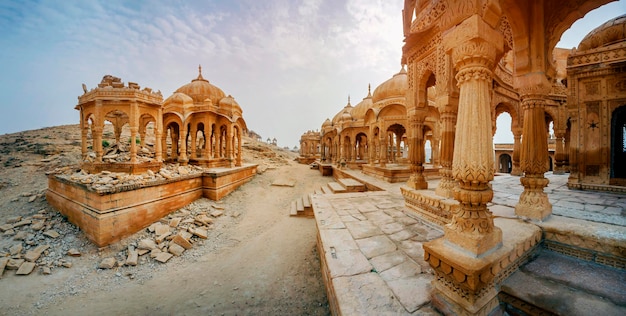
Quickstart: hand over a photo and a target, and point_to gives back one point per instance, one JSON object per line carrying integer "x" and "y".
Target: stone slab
{"x": 388, "y": 260}
{"x": 376, "y": 246}
{"x": 366, "y": 294}
{"x": 363, "y": 229}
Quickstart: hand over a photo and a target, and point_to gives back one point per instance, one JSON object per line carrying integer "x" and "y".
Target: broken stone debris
{"x": 41, "y": 241}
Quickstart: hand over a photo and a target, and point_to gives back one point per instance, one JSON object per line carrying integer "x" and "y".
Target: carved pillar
{"x": 559, "y": 154}
{"x": 229, "y": 146}
{"x": 239, "y": 149}
{"x": 533, "y": 202}
{"x": 461, "y": 256}
{"x": 398, "y": 153}
{"x": 416, "y": 150}
{"x": 84, "y": 131}
{"x": 158, "y": 135}
{"x": 182, "y": 158}
{"x": 517, "y": 140}
{"x": 382, "y": 158}
{"x": 96, "y": 134}
{"x": 471, "y": 227}
{"x": 194, "y": 145}
{"x": 447, "y": 182}
{"x": 133, "y": 144}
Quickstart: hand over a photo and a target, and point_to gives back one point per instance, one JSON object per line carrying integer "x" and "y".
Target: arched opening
{"x": 395, "y": 134}
{"x": 505, "y": 163}
{"x": 618, "y": 146}
{"x": 428, "y": 152}
{"x": 503, "y": 134}
{"x": 361, "y": 146}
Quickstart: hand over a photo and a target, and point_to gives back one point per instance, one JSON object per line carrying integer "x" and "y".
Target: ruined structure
{"x": 121, "y": 106}
{"x": 117, "y": 194}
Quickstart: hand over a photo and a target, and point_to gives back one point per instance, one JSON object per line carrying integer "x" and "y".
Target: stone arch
{"x": 505, "y": 107}
{"x": 426, "y": 81}
{"x": 362, "y": 146}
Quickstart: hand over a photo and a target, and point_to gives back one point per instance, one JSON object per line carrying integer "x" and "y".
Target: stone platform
{"x": 371, "y": 248}
{"x": 107, "y": 216}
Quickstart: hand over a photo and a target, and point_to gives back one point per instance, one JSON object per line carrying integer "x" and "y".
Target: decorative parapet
{"x": 428, "y": 206}
{"x": 612, "y": 53}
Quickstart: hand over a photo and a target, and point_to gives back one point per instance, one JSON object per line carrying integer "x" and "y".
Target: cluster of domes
{"x": 395, "y": 87}
{"x": 201, "y": 93}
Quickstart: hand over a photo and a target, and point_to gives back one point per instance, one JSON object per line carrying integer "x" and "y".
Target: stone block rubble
{"x": 41, "y": 242}
{"x": 169, "y": 237}
{"x": 46, "y": 241}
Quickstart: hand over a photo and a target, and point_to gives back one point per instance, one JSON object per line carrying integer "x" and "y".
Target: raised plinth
{"x": 390, "y": 173}
{"x": 107, "y": 216}
{"x": 465, "y": 284}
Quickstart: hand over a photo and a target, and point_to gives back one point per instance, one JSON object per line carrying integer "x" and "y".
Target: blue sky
{"x": 289, "y": 64}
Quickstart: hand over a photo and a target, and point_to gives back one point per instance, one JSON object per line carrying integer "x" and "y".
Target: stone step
{"x": 299, "y": 205}
{"x": 306, "y": 201}
{"x": 325, "y": 189}
{"x": 557, "y": 284}
{"x": 336, "y": 187}
{"x": 352, "y": 185}
{"x": 318, "y": 191}
{"x": 293, "y": 211}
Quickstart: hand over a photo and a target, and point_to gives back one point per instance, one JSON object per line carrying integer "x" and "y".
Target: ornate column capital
{"x": 474, "y": 43}
{"x": 533, "y": 85}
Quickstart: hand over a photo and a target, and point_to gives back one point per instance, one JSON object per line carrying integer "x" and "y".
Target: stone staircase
{"x": 556, "y": 284}
{"x": 302, "y": 205}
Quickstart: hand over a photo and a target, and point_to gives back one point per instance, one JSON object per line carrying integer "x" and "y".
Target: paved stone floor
{"x": 374, "y": 254}
{"x": 373, "y": 250}
{"x": 599, "y": 207}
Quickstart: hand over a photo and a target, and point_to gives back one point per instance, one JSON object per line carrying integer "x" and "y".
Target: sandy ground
{"x": 257, "y": 260}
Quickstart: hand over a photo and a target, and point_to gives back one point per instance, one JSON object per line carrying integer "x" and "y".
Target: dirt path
{"x": 261, "y": 262}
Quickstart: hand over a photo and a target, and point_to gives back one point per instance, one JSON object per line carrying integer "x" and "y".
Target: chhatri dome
{"x": 611, "y": 32}
{"x": 360, "y": 109}
{"x": 200, "y": 89}
{"x": 393, "y": 88}
{"x": 340, "y": 116}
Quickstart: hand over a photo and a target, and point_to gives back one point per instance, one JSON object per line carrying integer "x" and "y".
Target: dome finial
{"x": 369, "y": 90}
{"x": 348, "y": 101}
{"x": 200, "y": 72}
{"x": 200, "y": 78}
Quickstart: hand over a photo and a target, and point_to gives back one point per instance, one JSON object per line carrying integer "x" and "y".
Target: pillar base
{"x": 468, "y": 285}
{"x": 417, "y": 182}
{"x": 533, "y": 202}
{"x": 446, "y": 186}
{"x": 474, "y": 245}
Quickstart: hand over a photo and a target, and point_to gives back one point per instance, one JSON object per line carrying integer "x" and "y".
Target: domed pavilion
{"x": 203, "y": 126}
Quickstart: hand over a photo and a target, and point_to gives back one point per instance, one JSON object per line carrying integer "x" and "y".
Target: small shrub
{"x": 105, "y": 143}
